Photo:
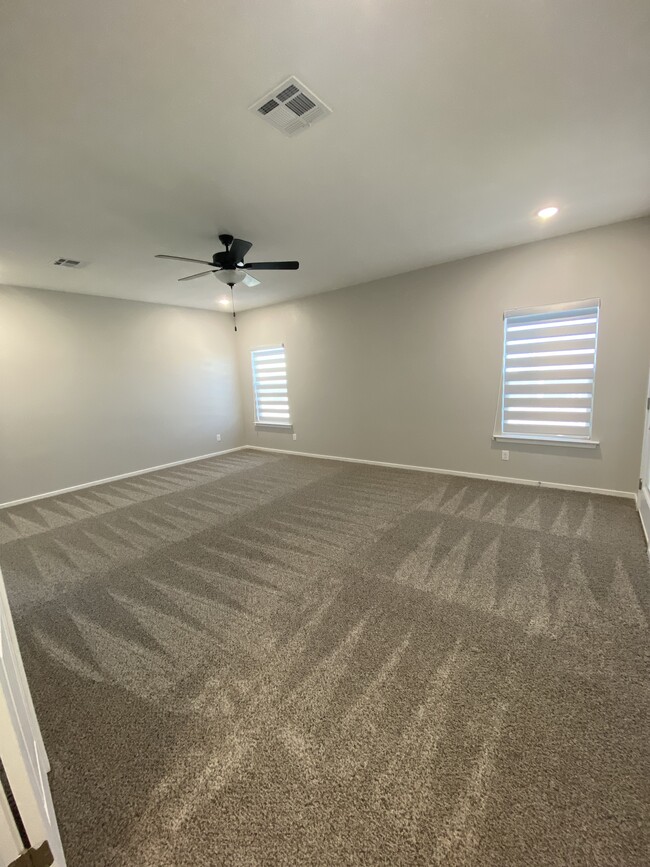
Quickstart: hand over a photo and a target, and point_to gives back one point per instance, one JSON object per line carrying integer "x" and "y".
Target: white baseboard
{"x": 605, "y": 491}
{"x": 629, "y": 495}
{"x": 117, "y": 478}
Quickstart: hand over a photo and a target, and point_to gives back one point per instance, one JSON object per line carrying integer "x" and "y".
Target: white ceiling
{"x": 125, "y": 132}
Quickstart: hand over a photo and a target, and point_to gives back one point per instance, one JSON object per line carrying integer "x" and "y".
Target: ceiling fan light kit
{"x": 229, "y": 266}
{"x": 230, "y": 277}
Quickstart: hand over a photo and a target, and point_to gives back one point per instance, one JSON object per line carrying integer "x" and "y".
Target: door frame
{"x": 643, "y": 494}
{"x": 10, "y": 843}
{"x": 23, "y": 754}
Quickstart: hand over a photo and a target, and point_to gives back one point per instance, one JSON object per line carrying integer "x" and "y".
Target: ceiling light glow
{"x": 224, "y": 301}
{"x": 547, "y": 213}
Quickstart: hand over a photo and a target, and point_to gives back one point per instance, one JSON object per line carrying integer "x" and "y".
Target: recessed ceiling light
{"x": 547, "y": 213}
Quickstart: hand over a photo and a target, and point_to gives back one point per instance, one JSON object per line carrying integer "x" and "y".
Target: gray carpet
{"x": 259, "y": 659}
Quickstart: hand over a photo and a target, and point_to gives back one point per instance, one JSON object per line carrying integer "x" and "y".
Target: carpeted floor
{"x": 259, "y": 659}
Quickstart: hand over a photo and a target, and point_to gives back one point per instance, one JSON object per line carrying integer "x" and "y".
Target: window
{"x": 270, "y": 386}
{"x": 549, "y": 367}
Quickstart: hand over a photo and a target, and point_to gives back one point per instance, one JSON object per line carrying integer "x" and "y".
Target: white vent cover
{"x": 291, "y": 107}
{"x": 69, "y": 263}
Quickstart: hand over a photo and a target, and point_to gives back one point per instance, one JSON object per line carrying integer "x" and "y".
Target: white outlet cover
{"x": 505, "y": 455}
{"x": 295, "y": 437}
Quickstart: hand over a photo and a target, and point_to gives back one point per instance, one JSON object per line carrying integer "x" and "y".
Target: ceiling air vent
{"x": 69, "y": 263}
{"x": 290, "y": 107}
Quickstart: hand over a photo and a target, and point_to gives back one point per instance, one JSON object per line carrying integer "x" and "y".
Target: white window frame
{"x": 500, "y": 435}
{"x": 284, "y": 425}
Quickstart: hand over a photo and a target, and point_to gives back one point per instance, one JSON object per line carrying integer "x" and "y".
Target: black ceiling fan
{"x": 229, "y": 266}
{"x": 232, "y": 260}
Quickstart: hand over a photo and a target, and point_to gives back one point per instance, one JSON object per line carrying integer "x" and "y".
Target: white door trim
{"x": 10, "y": 843}
{"x": 21, "y": 746}
{"x": 643, "y": 496}
{"x": 643, "y": 505}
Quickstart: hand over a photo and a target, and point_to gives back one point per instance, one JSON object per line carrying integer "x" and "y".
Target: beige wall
{"x": 407, "y": 369}
{"x": 95, "y": 387}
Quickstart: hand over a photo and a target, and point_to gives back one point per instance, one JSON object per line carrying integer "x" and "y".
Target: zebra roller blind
{"x": 270, "y": 386}
{"x": 549, "y": 368}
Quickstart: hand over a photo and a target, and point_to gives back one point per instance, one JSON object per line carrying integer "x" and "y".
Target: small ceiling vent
{"x": 290, "y": 107}
{"x": 69, "y": 263}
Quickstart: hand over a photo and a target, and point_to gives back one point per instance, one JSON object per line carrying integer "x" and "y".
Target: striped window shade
{"x": 549, "y": 368}
{"x": 270, "y": 386}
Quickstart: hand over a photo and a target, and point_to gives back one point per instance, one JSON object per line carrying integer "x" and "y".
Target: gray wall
{"x": 404, "y": 370}
{"x": 407, "y": 369}
{"x": 95, "y": 387}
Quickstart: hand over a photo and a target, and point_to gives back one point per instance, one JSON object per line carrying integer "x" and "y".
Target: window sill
{"x": 572, "y": 442}
{"x": 268, "y": 426}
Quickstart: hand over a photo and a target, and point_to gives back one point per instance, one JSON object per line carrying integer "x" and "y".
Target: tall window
{"x": 549, "y": 367}
{"x": 270, "y": 386}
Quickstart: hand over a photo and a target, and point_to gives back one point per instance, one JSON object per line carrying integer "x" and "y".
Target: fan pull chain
{"x": 232, "y": 297}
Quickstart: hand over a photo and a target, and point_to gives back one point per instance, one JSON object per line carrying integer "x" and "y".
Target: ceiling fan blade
{"x": 273, "y": 266}
{"x": 249, "y": 280}
{"x": 183, "y": 259}
{"x": 238, "y": 249}
{"x": 194, "y": 276}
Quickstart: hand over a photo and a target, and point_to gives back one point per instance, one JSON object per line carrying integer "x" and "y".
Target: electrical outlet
{"x": 295, "y": 437}
{"x": 218, "y": 438}
{"x": 505, "y": 455}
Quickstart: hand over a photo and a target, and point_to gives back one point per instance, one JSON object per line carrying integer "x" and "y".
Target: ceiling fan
{"x": 229, "y": 267}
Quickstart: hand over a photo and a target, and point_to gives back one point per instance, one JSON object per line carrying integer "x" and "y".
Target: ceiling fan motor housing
{"x": 228, "y": 258}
